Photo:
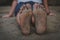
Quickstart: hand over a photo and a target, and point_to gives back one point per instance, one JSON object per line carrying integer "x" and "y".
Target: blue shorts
{"x": 20, "y": 4}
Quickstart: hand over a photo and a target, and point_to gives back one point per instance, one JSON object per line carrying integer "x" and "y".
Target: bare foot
{"x": 22, "y": 8}
{"x": 25, "y": 18}
{"x": 28, "y": 6}
{"x": 19, "y": 13}
{"x": 40, "y": 19}
{"x": 35, "y": 6}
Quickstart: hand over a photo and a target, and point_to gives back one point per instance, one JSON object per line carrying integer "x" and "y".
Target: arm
{"x": 46, "y": 6}
{"x": 12, "y": 9}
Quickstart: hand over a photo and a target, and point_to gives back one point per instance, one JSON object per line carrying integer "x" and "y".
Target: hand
{"x": 52, "y": 14}
{"x": 6, "y": 16}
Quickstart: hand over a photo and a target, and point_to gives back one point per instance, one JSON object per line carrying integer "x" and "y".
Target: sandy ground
{"x": 9, "y": 29}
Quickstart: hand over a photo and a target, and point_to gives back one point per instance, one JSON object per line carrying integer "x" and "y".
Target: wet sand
{"x": 9, "y": 29}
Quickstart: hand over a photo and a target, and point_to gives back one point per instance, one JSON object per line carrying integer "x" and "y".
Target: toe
{"x": 28, "y": 6}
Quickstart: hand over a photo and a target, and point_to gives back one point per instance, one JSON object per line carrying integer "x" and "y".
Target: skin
{"x": 46, "y": 6}
{"x": 40, "y": 19}
{"x": 18, "y": 15}
{"x": 14, "y": 3}
{"x": 20, "y": 12}
{"x": 23, "y": 19}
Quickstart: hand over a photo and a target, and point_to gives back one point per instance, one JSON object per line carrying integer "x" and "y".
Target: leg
{"x": 40, "y": 18}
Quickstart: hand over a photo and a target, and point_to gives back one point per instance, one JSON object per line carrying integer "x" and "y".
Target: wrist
{"x": 10, "y": 14}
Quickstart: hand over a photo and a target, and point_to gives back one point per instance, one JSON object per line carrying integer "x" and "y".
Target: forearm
{"x": 46, "y": 6}
{"x": 13, "y": 7}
